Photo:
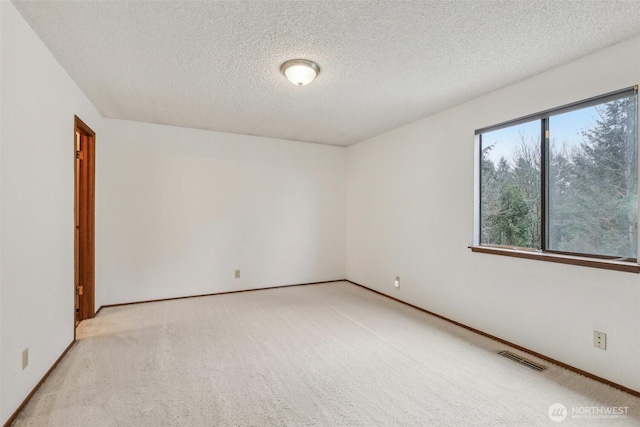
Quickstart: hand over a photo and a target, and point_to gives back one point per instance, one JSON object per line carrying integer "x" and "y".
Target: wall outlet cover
{"x": 25, "y": 358}
{"x": 600, "y": 340}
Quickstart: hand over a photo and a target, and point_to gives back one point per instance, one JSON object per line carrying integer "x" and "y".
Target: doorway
{"x": 84, "y": 222}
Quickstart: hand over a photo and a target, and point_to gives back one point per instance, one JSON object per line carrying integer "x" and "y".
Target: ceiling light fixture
{"x": 300, "y": 72}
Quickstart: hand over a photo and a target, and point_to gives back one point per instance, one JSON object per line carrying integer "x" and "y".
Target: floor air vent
{"x": 522, "y": 361}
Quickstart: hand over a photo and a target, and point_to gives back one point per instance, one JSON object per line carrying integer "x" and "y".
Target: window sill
{"x": 629, "y": 267}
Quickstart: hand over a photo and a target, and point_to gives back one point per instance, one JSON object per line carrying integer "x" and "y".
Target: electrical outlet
{"x": 237, "y": 274}
{"x": 396, "y": 283}
{"x": 25, "y": 358}
{"x": 600, "y": 340}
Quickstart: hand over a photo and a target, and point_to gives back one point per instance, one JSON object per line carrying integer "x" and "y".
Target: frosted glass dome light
{"x": 300, "y": 72}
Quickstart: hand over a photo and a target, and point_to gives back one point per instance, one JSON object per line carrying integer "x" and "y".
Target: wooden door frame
{"x": 84, "y": 219}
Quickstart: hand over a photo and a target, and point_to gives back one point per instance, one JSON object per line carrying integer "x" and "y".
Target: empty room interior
{"x": 319, "y": 213}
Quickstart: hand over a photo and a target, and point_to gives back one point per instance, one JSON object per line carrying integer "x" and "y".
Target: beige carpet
{"x": 330, "y": 354}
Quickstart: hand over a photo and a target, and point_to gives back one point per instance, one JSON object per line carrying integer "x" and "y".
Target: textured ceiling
{"x": 216, "y": 65}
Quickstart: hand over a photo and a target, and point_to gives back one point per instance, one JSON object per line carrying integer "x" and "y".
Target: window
{"x": 564, "y": 181}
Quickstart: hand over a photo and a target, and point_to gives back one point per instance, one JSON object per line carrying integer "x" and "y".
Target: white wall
{"x": 410, "y": 213}
{"x": 2, "y": 417}
{"x": 178, "y": 210}
{"x": 39, "y": 101}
